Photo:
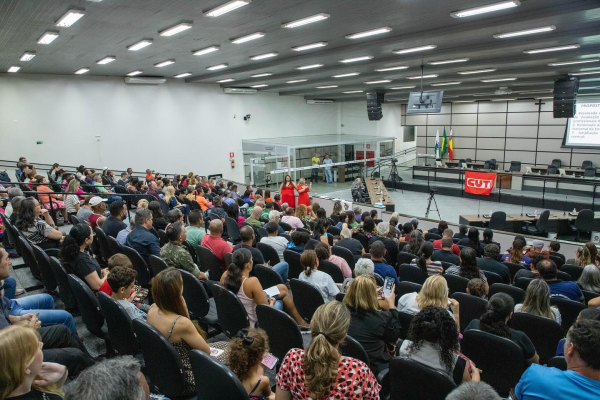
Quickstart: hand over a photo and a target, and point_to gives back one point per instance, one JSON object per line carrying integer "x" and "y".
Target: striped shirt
{"x": 39, "y": 232}
{"x": 433, "y": 267}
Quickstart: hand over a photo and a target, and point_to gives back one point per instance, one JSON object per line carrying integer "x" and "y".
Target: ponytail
{"x": 71, "y": 244}
{"x": 309, "y": 260}
{"x": 516, "y": 251}
{"x": 493, "y": 320}
{"x": 233, "y": 279}
{"x": 425, "y": 252}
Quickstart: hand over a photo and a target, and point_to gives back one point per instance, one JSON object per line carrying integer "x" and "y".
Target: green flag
{"x": 444, "y": 144}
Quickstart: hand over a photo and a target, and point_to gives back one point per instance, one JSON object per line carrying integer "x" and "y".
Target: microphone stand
{"x": 478, "y": 208}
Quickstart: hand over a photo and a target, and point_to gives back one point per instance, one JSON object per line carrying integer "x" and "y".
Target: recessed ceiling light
{"x": 353, "y": 91}
{"x": 227, "y": 7}
{"x": 82, "y": 71}
{"x": 263, "y": 56}
{"x": 297, "y": 81}
{"x": 27, "y": 56}
{"x": 134, "y": 73}
{"x": 485, "y": 9}
{"x": 456, "y": 60}
{"x": 414, "y": 49}
{"x": 261, "y": 75}
{"x": 140, "y": 45}
{"x": 381, "y": 81}
{"x": 446, "y": 83}
{"x": 391, "y": 68}
{"x": 477, "y": 71}
{"x": 326, "y": 87}
{"x": 402, "y": 87}
{"x": 183, "y": 75}
{"x": 106, "y": 60}
{"x": 424, "y": 76}
{"x": 215, "y": 67}
{"x": 346, "y": 75}
{"x": 247, "y": 38}
{"x": 584, "y": 73}
{"x": 369, "y": 33}
{"x": 309, "y": 46}
{"x": 14, "y": 68}
{"x": 164, "y": 63}
{"x": 311, "y": 66}
{"x": 226, "y": 80}
{"x": 174, "y": 30}
{"x": 47, "y": 37}
{"x": 69, "y": 18}
{"x": 355, "y": 59}
{"x": 589, "y": 60}
{"x": 304, "y": 21}
{"x": 207, "y": 50}
{"x": 525, "y": 32}
{"x": 499, "y": 80}
{"x": 558, "y": 48}
{"x": 259, "y": 86}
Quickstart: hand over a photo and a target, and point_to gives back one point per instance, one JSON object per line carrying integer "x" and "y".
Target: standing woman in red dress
{"x": 303, "y": 190}
{"x": 287, "y": 191}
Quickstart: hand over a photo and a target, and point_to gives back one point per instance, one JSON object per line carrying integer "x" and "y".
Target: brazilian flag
{"x": 444, "y": 145}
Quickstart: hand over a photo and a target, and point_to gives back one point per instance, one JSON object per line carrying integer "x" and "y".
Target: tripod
{"x": 394, "y": 177}
{"x": 432, "y": 197}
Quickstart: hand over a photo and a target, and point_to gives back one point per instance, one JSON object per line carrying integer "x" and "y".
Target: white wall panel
{"x": 522, "y": 106}
{"x": 526, "y": 157}
{"x": 463, "y": 131}
{"x": 547, "y": 118}
{"x": 522, "y": 119}
{"x": 492, "y": 106}
{"x": 554, "y": 132}
{"x": 439, "y": 120}
{"x": 491, "y": 131}
{"x": 489, "y": 154}
{"x": 492, "y": 119}
{"x": 522, "y": 131}
{"x": 520, "y": 144}
{"x": 458, "y": 108}
{"x": 464, "y": 119}
{"x": 490, "y": 143}
{"x": 412, "y": 119}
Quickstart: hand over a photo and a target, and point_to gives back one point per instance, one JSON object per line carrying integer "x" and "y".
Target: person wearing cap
{"x": 536, "y": 248}
{"x": 98, "y": 205}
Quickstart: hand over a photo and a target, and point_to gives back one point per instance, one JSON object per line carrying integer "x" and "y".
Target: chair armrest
{"x": 383, "y": 377}
{"x": 52, "y": 252}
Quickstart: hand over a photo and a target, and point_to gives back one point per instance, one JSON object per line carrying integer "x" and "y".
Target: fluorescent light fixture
{"x": 164, "y": 63}
{"x": 369, "y": 33}
{"x": 415, "y": 49}
{"x": 402, "y": 87}
{"x": 311, "y": 66}
{"x": 463, "y": 101}
{"x": 545, "y": 97}
{"x": 353, "y": 91}
{"x": 346, "y": 75}
{"x": 525, "y": 32}
{"x": 207, "y": 50}
{"x": 424, "y": 76}
{"x": 226, "y": 80}
{"x": 47, "y": 37}
{"x": 310, "y": 46}
{"x": 183, "y": 75}
{"x": 69, "y": 18}
{"x": 81, "y": 71}
{"x": 588, "y": 88}
{"x": 27, "y": 56}
{"x": 511, "y": 99}
{"x": 216, "y": 67}
{"x": 355, "y": 59}
{"x": 381, "y": 81}
{"x": 537, "y": 91}
{"x": 485, "y": 9}
{"x": 106, "y": 60}
{"x": 548, "y": 49}
{"x": 140, "y": 45}
{"x": 227, "y": 7}
{"x": 174, "y": 30}
{"x": 456, "y": 60}
{"x": 326, "y": 87}
{"x": 450, "y": 97}
{"x": 558, "y": 64}
{"x": 263, "y": 56}
{"x": 247, "y": 38}
{"x": 259, "y": 86}
{"x": 14, "y": 68}
{"x": 498, "y": 80}
{"x": 134, "y": 73}
{"x": 585, "y": 73}
{"x": 477, "y": 71}
{"x": 391, "y": 68}
{"x": 261, "y": 75}
{"x": 297, "y": 81}
{"x": 304, "y": 21}
{"x": 446, "y": 83}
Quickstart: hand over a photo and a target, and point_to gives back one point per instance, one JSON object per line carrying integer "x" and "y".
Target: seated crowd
{"x": 387, "y": 285}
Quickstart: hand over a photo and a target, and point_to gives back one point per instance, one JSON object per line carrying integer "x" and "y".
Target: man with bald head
{"x": 254, "y": 218}
{"x": 215, "y": 242}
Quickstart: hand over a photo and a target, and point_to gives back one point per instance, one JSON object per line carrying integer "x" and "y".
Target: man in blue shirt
{"x": 377, "y": 253}
{"x": 327, "y": 161}
{"x": 558, "y": 288}
{"x": 582, "y": 378}
{"x": 140, "y": 237}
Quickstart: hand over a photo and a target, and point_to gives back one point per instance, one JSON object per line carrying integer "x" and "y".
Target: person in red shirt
{"x": 437, "y": 244}
{"x": 216, "y": 243}
{"x": 149, "y": 176}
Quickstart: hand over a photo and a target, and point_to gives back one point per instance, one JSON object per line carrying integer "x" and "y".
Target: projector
{"x": 503, "y": 90}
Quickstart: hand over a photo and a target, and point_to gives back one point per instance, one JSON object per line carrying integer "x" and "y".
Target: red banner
{"x": 479, "y": 182}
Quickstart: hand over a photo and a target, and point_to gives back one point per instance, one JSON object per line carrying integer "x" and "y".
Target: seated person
{"x": 278, "y": 243}
{"x": 537, "y": 301}
{"x": 324, "y": 254}
{"x": 445, "y": 253}
{"x": 102, "y": 190}
{"x": 195, "y": 231}
{"x": 590, "y": 279}
{"x": 425, "y": 263}
{"x": 447, "y": 234}
{"x": 442, "y": 226}
{"x": 322, "y": 281}
{"x": 51, "y": 201}
{"x": 172, "y": 201}
{"x": 377, "y": 252}
{"x": 247, "y": 236}
{"x": 357, "y": 190}
{"x": 174, "y": 215}
{"x": 176, "y": 254}
{"x": 468, "y": 267}
{"x": 37, "y": 226}
{"x": 532, "y": 272}
{"x": 121, "y": 281}
{"x": 586, "y": 313}
{"x": 290, "y": 219}
{"x": 472, "y": 241}
{"x": 554, "y": 248}
{"x": 515, "y": 254}
{"x": 354, "y": 245}
{"x": 299, "y": 241}
{"x": 558, "y": 288}
{"x": 476, "y": 288}
{"x": 217, "y": 210}
{"x": 114, "y": 223}
{"x": 97, "y": 218}
{"x": 488, "y": 262}
{"x": 159, "y": 222}
{"x": 215, "y": 242}
{"x": 254, "y": 218}
{"x": 140, "y": 238}
{"x": 85, "y": 210}
{"x": 78, "y": 261}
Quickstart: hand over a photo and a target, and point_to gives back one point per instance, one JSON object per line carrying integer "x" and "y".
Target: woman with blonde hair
{"x": 143, "y": 203}
{"x": 320, "y": 371}
{"x": 173, "y": 203}
{"x": 302, "y": 214}
{"x": 302, "y": 188}
{"x": 72, "y": 204}
{"x": 583, "y": 256}
{"x": 23, "y": 372}
{"x": 537, "y": 301}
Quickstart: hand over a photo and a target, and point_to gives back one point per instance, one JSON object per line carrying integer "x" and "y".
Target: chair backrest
{"x": 492, "y": 277}
{"x": 230, "y": 310}
{"x": 516, "y": 293}
{"x": 269, "y": 253}
{"x": 262, "y": 232}
{"x": 267, "y": 276}
{"x": 350, "y": 347}
{"x": 139, "y": 264}
{"x": 456, "y": 284}
{"x": 214, "y": 381}
{"x": 411, "y": 274}
{"x": 209, "y": 262}
{"x": 10, "y": 231}
{"x": 195, "y": 296}
{"x": 407, "y": 287}
{"x": 434, "y": 236}
{"x": 471, "y": 307}
{"x": 523, "y": 283}
{"x": 404, "y": 257}
{"x": 157, "y": 264}
{"x": 558, "y": 362}
{"x": 363, "y": 239}
{"x": 551, "y": 170}
{"x": 513, "y": 268}
{"x": 228, "y": 257}
{"x": 515, "y": 166}
{"x": 585, "y": 220}
{"x": 163, "y": 364}
{"x": 307, "y": 298}
{"x": 74, "y": 219}
{"x": 589, "y": 295}
{"x": 311, "y": 244}
{"x": 334, "y": 231}
{"x": 332, "y": 270}
{"x": 283, "y": 332}
{"x": 557, "y": 260}
{"x": 114, "y": 247}
{"x": 345, "y": 254}
{"x": 589, "y": 171}
{"x": 120, "y": 328}
{"x": 293, "y": 259}
{"x": 542, "y": 221}
{"x": 586, "y": 163}
{"x": 162, "y": 237}
{"x": 233, "y": 230}
{"x": 28, "y": 258}
{"x": 88, "y": 305}
{"x": 498, "y": 220}
{"x": 43, "y": 262}
{"x": 574, "y": 271}
{"x": 501, "y": 359}
{"x": 286, "y": 227}
{"x": 164, "y": 206}
{"x": 569, "y": 311}
{"x": 487, "y": 165}
{"x": 544, "y": 333}
{"x": 557, "y": 162}
{"x": 103, "y": 243}
{"x": 64, "y": 288}
{"x": 405, "y": 320}
{"x": 409, "y": 379}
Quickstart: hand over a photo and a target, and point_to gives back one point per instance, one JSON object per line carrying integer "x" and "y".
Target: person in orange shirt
{"x": 203, "y": 201}
{"x": 149, "y": 176}
{"x": 57, "y": 199}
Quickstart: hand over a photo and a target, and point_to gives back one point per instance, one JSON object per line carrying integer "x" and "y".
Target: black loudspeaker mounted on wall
{"x": 565, "y": 96}
{"x": 374, "y": 100}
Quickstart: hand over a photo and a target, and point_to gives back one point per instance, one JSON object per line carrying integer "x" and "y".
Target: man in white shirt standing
{"x": 328, "y": 175}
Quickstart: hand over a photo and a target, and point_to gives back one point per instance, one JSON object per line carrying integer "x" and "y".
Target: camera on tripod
{"x": 432, "y": 190}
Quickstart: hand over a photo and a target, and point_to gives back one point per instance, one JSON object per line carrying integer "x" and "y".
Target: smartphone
{"x": 387, "y": 286}
{"x": 269, "y": 360}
